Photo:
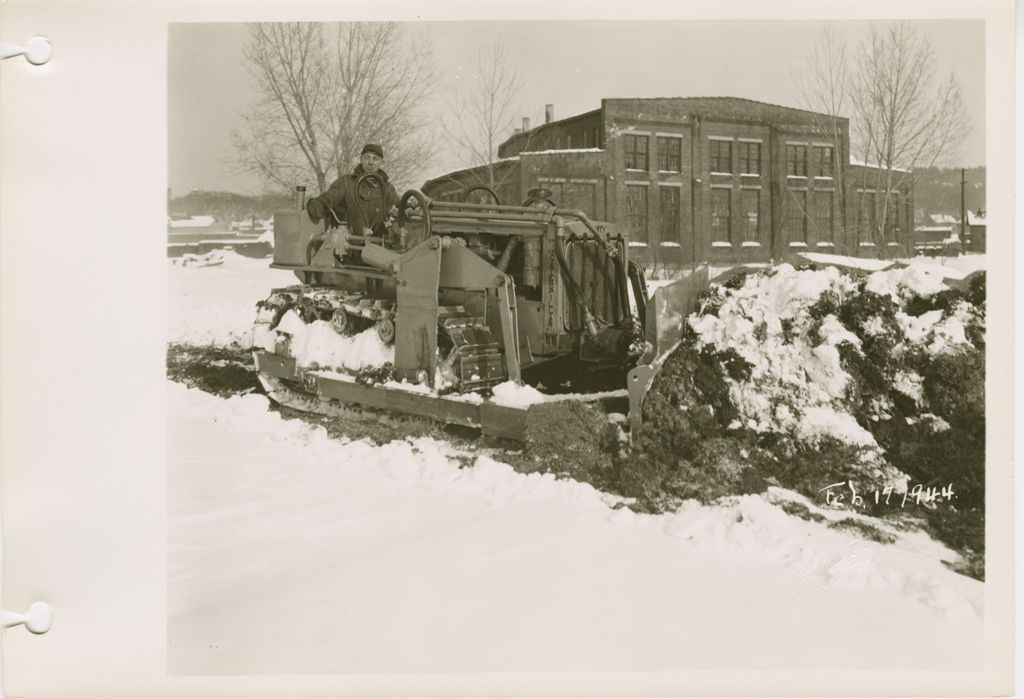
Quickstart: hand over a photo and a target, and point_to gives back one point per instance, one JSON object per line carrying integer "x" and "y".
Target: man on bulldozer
{"x": 369, "y": 208}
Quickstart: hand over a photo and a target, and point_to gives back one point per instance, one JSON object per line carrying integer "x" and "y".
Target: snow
{"x": 957, "y": 267}
{"x": 192, "y": 222}
{"x": 862, "y": 163}
{"x": 808, "y": 380}
{"x": 318, "y": 344}
{"x": 825, "y": 421}
{"x": 867, "y": 263}
{"x": 212, "y": 298}
{"x": 516, "y": 395}
{"x": 292, "y": 552}
{"x": 561, "y": 150}
{"x": 267, "y": 236}
{"x": 910, "y": 384}
{"x": 905, "y": 281}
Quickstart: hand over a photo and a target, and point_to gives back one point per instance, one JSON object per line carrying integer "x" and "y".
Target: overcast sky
{"x": 569, "y": 64}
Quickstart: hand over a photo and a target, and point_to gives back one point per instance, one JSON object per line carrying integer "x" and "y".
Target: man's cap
{"x": 373, "y": 148}
{"x": 539, "y": 193}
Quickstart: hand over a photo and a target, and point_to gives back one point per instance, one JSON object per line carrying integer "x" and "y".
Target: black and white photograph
{"x": 461, "y": 350}
{"x": 494, "y": 352}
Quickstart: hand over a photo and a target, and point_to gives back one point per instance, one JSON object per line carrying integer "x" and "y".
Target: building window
{"x": 670, "y": 153}
{"x": 824, "y": 217}
{"x": 580, "y": 195}
{"x": 796, "y": 161}
{"x": 572, "y": 195}
{"x": 721, "y": 215}
{"x": 867, "y": 219}
{"x": 597, "y": 138}
{"x": 751, "y": 201}
{"x": 586, "y": 138}
{"x": 636, "y": 152}
{"x": 636, "y": 211}
{"x": 721, "y": 156}
{"x": 669, "y": 214}
{"x": 568, "y": 141}
{"x": 796, "y": 218}
{"x": 750, "y": 158}
{"x": 826, "y": 161}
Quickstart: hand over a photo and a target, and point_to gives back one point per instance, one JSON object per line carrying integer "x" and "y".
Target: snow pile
{"x": 805, "y": 377}
{"x": 905, "y": 282}
{"x": 190, "y": 259}
{"x": 318, "y": 345}
{"x": 795, "y": 385}
{"x": 783, "y": 326}
{"x": 420, "y": 558}
{"x": 866, "y": 263}
{"x": 267, "y": 236}
{"x": 517, "y": 395}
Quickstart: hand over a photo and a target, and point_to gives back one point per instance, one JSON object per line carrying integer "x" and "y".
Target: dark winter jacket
{"x": 341, "y": 197}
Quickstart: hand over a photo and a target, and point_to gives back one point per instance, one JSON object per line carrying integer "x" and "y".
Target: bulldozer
{"x": 470, "y": 295}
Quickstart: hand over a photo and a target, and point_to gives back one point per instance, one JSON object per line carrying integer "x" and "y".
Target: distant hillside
{"x": 937, "y": 191}
{"x": 228, "y": 206}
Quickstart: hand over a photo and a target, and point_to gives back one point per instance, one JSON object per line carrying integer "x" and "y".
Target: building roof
{"x": 454, "y": 174}
{"x": 726, "y": 106}
{"x": 860, "y": 163}
{"x": 560, "y": 150}
{"x": 976, "y": 219}
{"x": 942, "y": 218}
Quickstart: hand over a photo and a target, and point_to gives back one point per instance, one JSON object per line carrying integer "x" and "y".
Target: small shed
{"x": 976, "y": 231}
{"x": 936, "y": 240}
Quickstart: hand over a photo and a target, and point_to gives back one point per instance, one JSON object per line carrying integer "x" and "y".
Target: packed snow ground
{"x": 212, "y": 297}
{"x": 291, "y": 552}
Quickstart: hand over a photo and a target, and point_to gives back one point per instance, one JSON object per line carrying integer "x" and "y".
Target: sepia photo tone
{"x": 548, "y": 346}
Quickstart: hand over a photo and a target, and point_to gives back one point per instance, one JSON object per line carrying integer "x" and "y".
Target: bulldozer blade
{"x": 490, "y": 418}
{"x": 668, "y": 309}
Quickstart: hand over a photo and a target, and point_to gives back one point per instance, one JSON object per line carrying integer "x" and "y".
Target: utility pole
{"x": 963, "y": 208}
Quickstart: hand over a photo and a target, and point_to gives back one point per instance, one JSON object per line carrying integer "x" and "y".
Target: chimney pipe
{"x": 526, "y": 123}
{"x": 549, "y": 113}
{"x": 300, "y": 197}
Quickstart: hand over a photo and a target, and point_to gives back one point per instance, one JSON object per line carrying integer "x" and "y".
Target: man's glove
{"x": 316, "y": 210}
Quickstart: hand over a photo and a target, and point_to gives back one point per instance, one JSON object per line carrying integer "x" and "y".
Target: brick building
{"x": 722, "y": 179}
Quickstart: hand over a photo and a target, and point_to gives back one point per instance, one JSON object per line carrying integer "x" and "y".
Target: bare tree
{"x": 482, "y": 115}
{"x": 901, "y": 116}
{"x": 825, "y": 90}
{"x": 824, "y": 87}
{"x": 325, "y": 90}
{"x": 904, "y": 116}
